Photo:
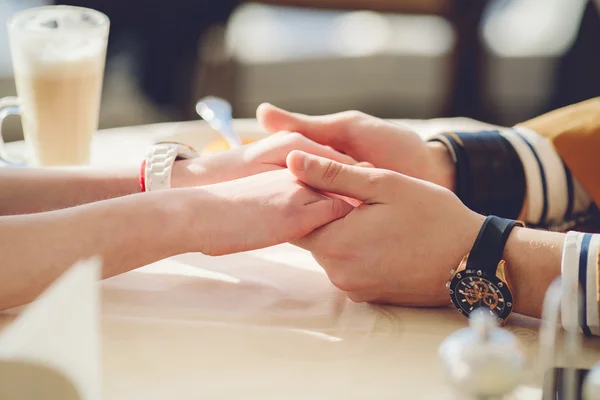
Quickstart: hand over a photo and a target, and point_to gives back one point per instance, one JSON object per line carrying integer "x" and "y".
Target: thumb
{"x": 365, "y": 184}
{"x": 326, "y": 130}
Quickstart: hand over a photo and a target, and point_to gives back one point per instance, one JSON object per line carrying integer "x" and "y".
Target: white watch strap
{"x": 580, "y": 283}
{"x": 569, "y": 269}
{"x": 159, "y": 164}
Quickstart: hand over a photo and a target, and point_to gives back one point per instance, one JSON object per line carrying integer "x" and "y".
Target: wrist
{"x": 442, "y": 165}
{"x": 533, "y": 261}
{"x": 181, "y": 219}
{"x": 187, "y": 173}
{"x": 165, "y": 216}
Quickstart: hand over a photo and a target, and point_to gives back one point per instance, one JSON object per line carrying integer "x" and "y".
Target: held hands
{"x": 258, "y": 211}
{"x": 399, "y": 245}
{"x": 367, "y": 139}
{"x": 265, "y": 155}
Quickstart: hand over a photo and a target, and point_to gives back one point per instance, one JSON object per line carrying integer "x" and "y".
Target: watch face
{"x": 470, "y": 290}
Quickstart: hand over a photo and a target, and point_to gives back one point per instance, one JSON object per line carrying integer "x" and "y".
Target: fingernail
{"x": 302, "y": 161}
{"x": 298, "y": 160}
{"x": 365, "y": 164}
{"x": 306, "y": 162}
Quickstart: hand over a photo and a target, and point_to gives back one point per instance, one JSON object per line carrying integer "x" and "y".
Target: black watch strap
{"x": 489, "y": 245}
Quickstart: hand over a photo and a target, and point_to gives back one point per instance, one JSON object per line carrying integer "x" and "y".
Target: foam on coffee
{"x": 58, "y": 37}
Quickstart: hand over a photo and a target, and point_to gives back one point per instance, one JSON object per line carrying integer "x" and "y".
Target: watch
{"x": 159, "y": 164}
{"x": 481, "y": 279}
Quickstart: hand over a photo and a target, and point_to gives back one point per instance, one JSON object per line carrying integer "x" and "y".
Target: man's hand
{"x": 260, "y": 211}
{"x": 398, "y": 246}
{"x": 368, "y": 139}
{"x": 268, "y": 154}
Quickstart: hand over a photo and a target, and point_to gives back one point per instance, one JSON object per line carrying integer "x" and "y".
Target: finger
{"x": 327, "y": 129}
{"x": 323, "y": 212}
{"x": 298, "y": 141}
{"x": 353, "y": 202}
{"x": 365, "y": 164}
{"x": 327, "y": 152}
{"x": 365, "y": 184}
{"x": 320, "y": 237}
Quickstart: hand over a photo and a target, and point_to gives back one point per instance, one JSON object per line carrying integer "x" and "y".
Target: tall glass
{"x": 58, "y": 55}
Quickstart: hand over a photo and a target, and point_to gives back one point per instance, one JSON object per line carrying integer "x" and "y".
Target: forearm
{"x": 533, "y": 261}
{"x": 533, "y": 256}
{"x": 26, "y": 191}
{"x": 127, "y": 233}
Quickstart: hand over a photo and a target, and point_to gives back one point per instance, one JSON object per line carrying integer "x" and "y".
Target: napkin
{"x": 52, "y": 350}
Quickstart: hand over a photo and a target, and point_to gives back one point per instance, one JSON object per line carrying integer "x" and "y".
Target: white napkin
{"x": 53, "y": 348}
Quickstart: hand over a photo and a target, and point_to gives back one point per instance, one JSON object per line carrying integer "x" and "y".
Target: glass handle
{"x": 8, "y": 106}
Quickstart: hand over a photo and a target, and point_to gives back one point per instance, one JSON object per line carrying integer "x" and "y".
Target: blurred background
{"x": 501, "y": 61}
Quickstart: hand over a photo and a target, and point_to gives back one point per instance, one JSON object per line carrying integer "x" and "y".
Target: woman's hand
{"x": 368, "y": 139}
{"x": 258, "y": 211}
{"x": 131, "y": 231}
{"x": 268, "y": 154}
{"x": 399, "y": 245}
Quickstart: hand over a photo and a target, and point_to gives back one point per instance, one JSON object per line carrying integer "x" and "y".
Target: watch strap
{"x": 159, "y": 164}
{"x": 489, "y": 245}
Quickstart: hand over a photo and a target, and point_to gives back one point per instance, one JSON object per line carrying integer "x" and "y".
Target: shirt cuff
{"x": 580, "y": 302}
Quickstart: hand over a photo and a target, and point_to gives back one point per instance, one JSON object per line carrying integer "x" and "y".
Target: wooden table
{"x": 267, "y": 324}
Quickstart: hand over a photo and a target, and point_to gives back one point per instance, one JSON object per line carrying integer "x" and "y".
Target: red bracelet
{"x": 143, "y": 177}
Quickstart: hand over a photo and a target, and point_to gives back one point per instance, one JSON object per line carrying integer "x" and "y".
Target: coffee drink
{"x": 58, "y": 56}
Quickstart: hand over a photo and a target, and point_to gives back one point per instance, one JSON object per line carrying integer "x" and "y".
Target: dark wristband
{"x": 496, "y": 174}
{"x": 490, "y": 177}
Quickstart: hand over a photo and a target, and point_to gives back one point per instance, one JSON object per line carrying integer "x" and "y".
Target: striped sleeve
{"x": 554, "y": 197}
{"x": 580, "y": 272}
{"x": 574, "y": 132}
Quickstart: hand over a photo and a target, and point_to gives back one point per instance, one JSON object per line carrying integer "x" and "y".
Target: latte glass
{"x": 58, "y": 55}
